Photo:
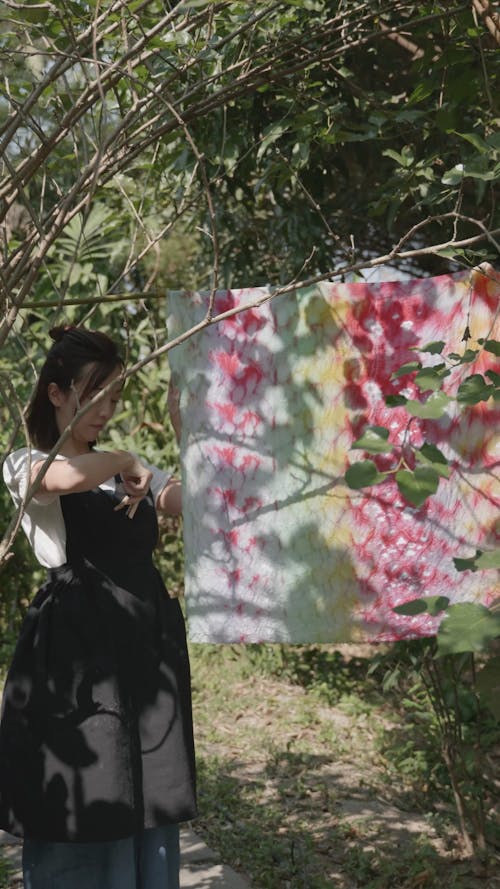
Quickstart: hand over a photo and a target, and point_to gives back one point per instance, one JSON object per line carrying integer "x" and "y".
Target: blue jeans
{"x": 150, "y": 861}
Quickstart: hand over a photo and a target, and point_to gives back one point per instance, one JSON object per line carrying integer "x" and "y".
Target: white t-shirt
{"x": 43, "y": 521}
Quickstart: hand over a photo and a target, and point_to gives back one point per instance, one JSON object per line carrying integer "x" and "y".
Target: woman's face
{"x": 66, "y": 404}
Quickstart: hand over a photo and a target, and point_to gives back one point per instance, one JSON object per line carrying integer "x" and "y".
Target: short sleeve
{"x": 17, "y": 473}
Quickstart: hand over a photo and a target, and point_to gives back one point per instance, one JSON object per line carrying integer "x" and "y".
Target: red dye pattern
{"x": 227, "y": 411}
{"x": 249, "y": 422}
{"x": 397, "y": 551}
{"x": 249, "y": 321}
{"x": 228, "y": 495}
{"x": 229, "y": 364}
{"x": 484, "y": 289}
{"x": 246, "y": 422}
{"x": 227, "y": 454}
{"x": 251, "y": 544}
{"x": 417, "y": 559}
{"x": 231, "y": 538}
{"x": 251, "y": 503}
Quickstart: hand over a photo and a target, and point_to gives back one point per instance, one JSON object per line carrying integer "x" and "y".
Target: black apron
{"x": 96, "y": 739}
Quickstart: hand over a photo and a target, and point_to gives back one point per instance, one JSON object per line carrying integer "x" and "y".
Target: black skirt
{"x": 96, "y": 739}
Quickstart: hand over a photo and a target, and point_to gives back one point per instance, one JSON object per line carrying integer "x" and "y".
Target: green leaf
{"x": 191, "y": 4}
{"x": 414, "y": 606}
{"x": 475, "y": 140}
{"x": 395, "y": 400}
{"x": 431, "y": 455}
{"x": 489, "y": 559}
{"x": 434, "y": 348}
{"x": 453, "y": 176}
{"x": 469, "y": 355}
{"x": 483, "y": 176}
{"x": 395, "y": 156}
{"x": 271, "y": 134}
{"x": 363, "y": 474}
{"x": 418, "y": 485}
{"x": 459, "y": 172}
{"x": 488, "y": 685}
{"x": 431, "y": 377}
{"x": 374, "y": 440}
{"x": 433, "y": 605}
{"x": 467, "y": 564}
{"x": 36, "y": 15}
{"x": 436, "y": 604}
{"x": 450, "y": 252}
{"x": 494, "y": 377}
{"x": 493, "y": 346}
{"x": 405, "y": 159}
{"x": 493, "y": 140}
{"x": 467, "y": 627}
{"x": 407, "y": 368}
{"x": 431, "y": 409}
{"x": 474, "y": 389}
{"x": 423, "y": 89}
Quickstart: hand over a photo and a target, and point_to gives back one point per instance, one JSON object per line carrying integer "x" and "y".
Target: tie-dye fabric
{"x": 277, "y": 547}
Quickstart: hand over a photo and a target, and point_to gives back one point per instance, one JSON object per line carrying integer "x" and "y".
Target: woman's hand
{"x": 136, "y": 480}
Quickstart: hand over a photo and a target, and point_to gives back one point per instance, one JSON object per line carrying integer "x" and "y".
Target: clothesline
{"x": 139, "y": 296}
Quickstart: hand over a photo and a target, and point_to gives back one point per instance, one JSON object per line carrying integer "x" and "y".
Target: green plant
{"x": 447, "y": 734}
{"x": 457, "y": 688}
{"x": 5, "y": 872}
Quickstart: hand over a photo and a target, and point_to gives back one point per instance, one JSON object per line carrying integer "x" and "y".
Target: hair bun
{"x": 57, "y": 333}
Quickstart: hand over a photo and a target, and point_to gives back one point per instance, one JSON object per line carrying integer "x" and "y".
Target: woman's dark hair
{"x": 74, "y": 349}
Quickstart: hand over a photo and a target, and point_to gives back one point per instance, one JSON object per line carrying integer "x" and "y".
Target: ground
{"x": 311, "y": 777}
{"x": 314, "y": 774}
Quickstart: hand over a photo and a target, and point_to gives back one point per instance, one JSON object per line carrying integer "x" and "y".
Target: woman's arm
{"x": 76, "y": 474}
{"x": 169, "y": 500}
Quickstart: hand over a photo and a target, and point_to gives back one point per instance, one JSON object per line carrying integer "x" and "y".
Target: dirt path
{"x": 301, "y": 794}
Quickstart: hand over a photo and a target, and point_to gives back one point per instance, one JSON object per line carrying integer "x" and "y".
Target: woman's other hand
{"x": 136, "y": 480}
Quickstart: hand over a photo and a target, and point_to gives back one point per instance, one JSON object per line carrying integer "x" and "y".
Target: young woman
{"x": 96, "y": 741}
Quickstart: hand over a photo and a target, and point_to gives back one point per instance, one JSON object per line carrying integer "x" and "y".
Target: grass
{"x": 311, "y": 776}
{"x": 5, "y": 872}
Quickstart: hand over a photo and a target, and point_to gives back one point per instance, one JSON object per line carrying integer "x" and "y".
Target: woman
{"x": 96, "y": 742}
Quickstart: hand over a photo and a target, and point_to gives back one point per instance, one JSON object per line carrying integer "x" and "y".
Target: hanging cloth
{"x": 278, "y": 548}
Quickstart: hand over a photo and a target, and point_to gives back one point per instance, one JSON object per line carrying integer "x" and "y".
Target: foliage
{"x": 450, "y": 712}
{"x": 293, "y": 137}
